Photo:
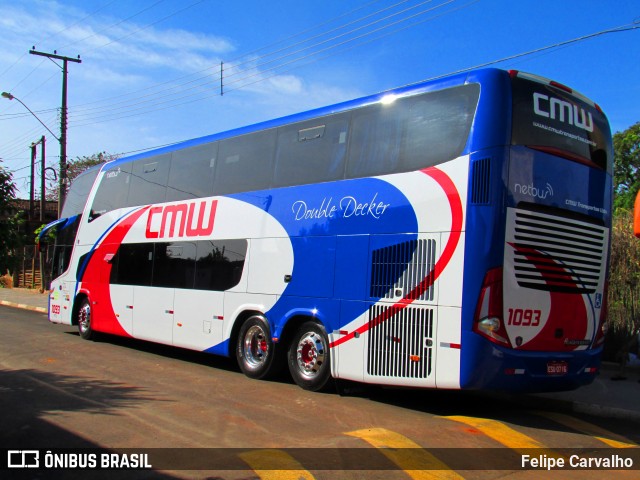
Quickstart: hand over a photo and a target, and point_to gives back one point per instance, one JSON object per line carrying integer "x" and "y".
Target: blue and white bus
{"x": 449, "y": 234}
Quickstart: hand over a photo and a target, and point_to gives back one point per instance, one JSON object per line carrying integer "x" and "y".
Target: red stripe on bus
{"x": 455, "y": 204}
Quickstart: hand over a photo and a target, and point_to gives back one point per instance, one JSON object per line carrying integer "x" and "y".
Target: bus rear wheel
{"x": 83, "y": 318}
{"x": 309, "y": 357}
{"x": 255, "y": 350}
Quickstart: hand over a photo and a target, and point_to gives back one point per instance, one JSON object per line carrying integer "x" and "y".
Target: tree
{"x": 624, "y": 280}
{"x": 76, "y": 167}
{"x": 10, "y": 238}
{"x": 626, "y": 170}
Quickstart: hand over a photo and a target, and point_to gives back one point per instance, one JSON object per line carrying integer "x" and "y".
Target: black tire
{"x": 255, "y": 350}
{"x": 83, "y": 318}
{"x": 310, "y": 358}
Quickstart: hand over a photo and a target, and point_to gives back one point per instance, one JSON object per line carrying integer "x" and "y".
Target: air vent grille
{"x": 557, "y": 254}
{"x": 400, "y": 342}
{"x": 481, "y": 181}
{"x": 398, "y": 270}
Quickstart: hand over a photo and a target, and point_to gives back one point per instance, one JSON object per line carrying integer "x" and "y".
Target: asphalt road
{"x": 59, "y": 391}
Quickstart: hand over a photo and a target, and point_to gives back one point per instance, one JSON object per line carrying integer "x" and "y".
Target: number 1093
{"x": 524, "y": 317}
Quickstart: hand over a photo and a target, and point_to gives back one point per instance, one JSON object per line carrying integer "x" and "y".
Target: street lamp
{"x": 11, "y": 97}
{"x": 62, "y": 147}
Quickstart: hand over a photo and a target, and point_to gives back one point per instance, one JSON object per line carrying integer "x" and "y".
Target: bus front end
{"x": 539, "y": 313}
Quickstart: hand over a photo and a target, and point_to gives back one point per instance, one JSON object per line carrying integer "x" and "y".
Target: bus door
{"x": 198, "y": 318}
{"x": 121, "y": 295}
{"x": 153, "y": 313}
{"x": 122, "y": 304}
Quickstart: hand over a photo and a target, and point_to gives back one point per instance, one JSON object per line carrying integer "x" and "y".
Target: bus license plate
{"x": 557, "y": 368}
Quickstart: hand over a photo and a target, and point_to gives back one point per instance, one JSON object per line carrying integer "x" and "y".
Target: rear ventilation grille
{"x": 481, "y": 181}
{"x": 404, "y": 270}
{"x": 400, "y": 342}
{"x": 557, "y": 254}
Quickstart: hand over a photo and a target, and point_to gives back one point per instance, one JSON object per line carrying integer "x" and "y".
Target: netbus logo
{"x": 178, "y": 220}
{"x": 554, "y": 108}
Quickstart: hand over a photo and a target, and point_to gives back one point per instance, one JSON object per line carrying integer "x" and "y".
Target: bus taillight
{"x": 488, "y": 320}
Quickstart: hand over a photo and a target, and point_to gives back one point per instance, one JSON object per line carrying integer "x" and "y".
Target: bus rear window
{"x": 555, "y": 121}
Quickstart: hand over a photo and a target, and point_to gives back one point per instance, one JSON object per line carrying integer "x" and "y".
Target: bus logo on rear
{"x": 556, "y": 109}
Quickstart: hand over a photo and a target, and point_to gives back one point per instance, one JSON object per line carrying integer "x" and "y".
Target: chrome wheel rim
{"x": 255, "y": 347}
{"x": 310, "y": 354}
{"x": 84, "y": 318}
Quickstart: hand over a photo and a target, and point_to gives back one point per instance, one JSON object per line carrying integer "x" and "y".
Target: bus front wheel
{"x": 309, "y": 357}
{"x": 255, "y": 348}
{"x": 84, "y": 320}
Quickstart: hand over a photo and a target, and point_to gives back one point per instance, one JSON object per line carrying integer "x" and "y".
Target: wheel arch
{"x": 77, "y": 301}
{"x": 242, "y": 317}
{"x": 291, "y": 324}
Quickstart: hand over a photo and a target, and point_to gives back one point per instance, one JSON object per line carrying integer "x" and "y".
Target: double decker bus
{"x": 448, "y": 234}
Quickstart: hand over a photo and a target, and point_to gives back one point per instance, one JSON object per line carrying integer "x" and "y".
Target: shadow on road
{"x": 26, "y": 396}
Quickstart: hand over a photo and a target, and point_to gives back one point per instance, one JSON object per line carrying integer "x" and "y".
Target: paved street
{"x": 61, "y": 391}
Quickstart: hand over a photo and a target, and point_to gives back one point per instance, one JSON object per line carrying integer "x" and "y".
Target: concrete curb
{"x": 23, "y": 306}
{"x": 605, "y": 411}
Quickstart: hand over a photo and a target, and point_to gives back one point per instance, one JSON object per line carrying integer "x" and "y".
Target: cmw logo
{"x": 532, "y": 191}
{"x": 554, "y": 108}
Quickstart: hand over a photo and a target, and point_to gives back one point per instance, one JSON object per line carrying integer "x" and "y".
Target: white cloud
{"x": 138, "y": 87}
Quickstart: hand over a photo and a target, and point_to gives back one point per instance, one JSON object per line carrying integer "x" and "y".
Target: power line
{"x": 623, "y": 28}
{"x": 243, "y": 79}
{"x": 183, "y": 95}
{"x": 77, "y": 22}
{"x": 53, "y": 35}
{"x": 204, "y": 80}
{"x": 119, "y": 22}
{"x": 215, "y": 76}
{"x": 146, "y": 89}
{"x": 145, "y": 27}
{"x": 14, "y": 88}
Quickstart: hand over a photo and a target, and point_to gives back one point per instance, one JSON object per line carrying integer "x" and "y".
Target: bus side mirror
{"x": 42, "y": 245}
{"x": 42, "y": 239}
{"x": 636, "y": 216}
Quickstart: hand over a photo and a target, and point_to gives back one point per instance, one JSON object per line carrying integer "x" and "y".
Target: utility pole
{"x": 32, "y": 194}
{"x": 32, "y": 188}
{"x": 63, "y": 120}
{"x": 42, "y": 187}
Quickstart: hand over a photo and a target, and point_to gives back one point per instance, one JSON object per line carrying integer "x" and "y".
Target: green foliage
{"x": 10, "y": 238}
{"x": 624, "y": 280}
{"x": 50, "y": 237}
{"x": 626, "y": 170}
{"x": 76, "y": 167}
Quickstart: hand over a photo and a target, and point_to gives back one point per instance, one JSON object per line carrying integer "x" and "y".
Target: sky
{"x": 151, "y": 69}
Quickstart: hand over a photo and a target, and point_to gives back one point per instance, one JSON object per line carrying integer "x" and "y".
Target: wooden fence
{"x": 29, "y": 271}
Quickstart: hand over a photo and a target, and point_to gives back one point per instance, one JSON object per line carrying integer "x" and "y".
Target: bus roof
{"x": 483, "y": 75}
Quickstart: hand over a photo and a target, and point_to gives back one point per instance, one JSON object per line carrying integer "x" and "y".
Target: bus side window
{"x": 376, "y": 137}
{"x": 245, "y": 163}
{"x": 191, "y": 173}
{"x": 219, "y": 264}
{"x": 174, "y": 265}
{"x": 132, "y": 264}
{"x": 149, "y": 180}
{"x": 312, "y": 151}
{"x": 438, "y": 127}
{"x": 112, "y": 192}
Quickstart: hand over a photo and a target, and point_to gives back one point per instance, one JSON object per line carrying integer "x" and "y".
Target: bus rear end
{"x": 538, "y": 316}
